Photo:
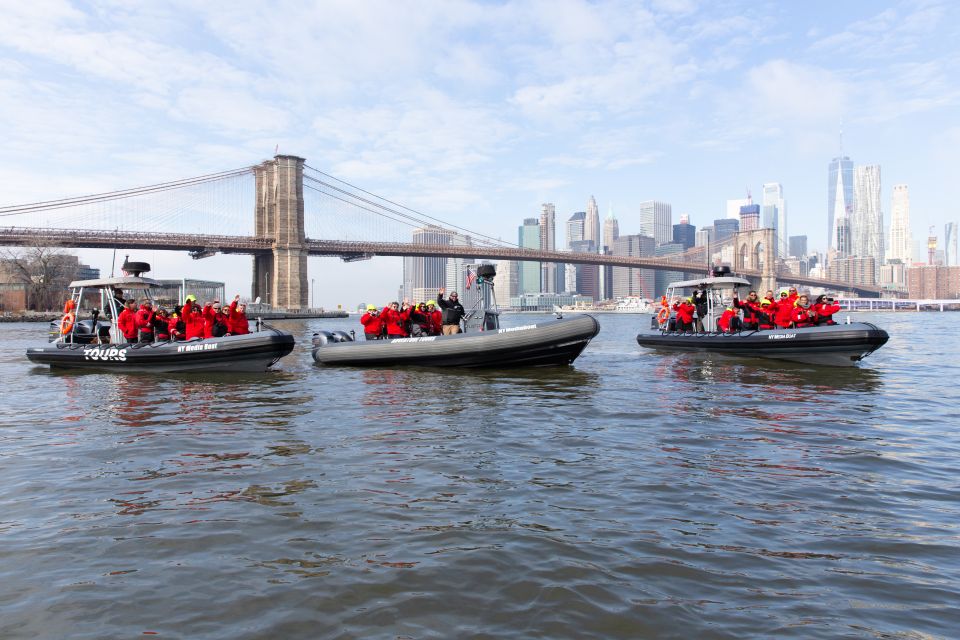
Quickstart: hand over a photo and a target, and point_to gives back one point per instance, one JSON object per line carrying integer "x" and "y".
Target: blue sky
{"x": 478, "y": 112}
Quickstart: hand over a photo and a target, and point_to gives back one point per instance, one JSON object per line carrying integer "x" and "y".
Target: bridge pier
{"x": 756, "y": 249}
{"x": 280, "y": 277}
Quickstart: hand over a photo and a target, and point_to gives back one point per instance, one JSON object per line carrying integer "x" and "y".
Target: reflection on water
{"x": 632, "y": 495}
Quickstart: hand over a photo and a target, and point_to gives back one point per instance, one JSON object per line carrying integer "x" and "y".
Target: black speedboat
{"x": 838, "y": 344}
{"x": 483, "y": 344}
{"x": 95, "y": 342}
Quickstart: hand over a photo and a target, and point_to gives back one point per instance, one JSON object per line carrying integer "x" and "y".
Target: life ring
{"x": 663, "y": 315}
{"x": 66, "y": 323}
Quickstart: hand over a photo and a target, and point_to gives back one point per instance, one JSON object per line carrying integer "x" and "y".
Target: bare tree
{"x": 45, "y": 270}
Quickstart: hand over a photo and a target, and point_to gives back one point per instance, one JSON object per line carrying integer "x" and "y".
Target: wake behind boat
{"x": 96, "y": 342}
{"x": 484, "y": 343}
{"x": 836, "y": 344}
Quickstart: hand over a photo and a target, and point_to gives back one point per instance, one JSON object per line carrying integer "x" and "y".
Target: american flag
{"x": 471, "y": 276}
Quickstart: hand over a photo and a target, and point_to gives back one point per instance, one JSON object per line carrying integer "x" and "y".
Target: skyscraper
{"x": 548, "y": 239}
{"x": 576, "y": 229}
{"x": 628, "y": 281}
{"x": 422, "y": 277}
{"x": 656, "y": 220}
{"x": 611, "y": 231}
{"x": 901, "y": 240}
{"x": 775, "y": 215}
{"x": 591, "y": 223}
{"x": 866, "y": 224}
{"x": 798, "y": 246}
{"x": 724, "y": 228}
{"x": 684, "y": 234}
{"x": 585, "y": 278}
{"x": 528, "y": 273}
{"x": 749, "y": 217}
{"x": 839, "y": 204}
{"x": 950, "y": 245}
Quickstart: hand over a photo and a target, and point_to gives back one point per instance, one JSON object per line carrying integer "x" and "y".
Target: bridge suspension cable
{"x": 19, "y": 209}
{"x": 420, "y": 219}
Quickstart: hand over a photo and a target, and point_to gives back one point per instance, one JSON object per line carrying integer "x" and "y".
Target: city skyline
{"x": 477, "y": 113}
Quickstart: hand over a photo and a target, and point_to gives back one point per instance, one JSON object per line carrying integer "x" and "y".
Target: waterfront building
{"x": 839, "y": 205}
{"x": 547, "y": 301}
{"x": 854, "y": 269}
{"x": 774, "y": 214}
{"x": 628, "y": 281}
{"x": 749, "y": 217}
{"x": 423, "y": 276}
{"x": 901, "y": 239}
{"x": 725, "y": 228}
{"x": 548, "y": 233}
{"x": 933, "y": 282}
{"x": 798, "y": 246}
{"x": 591, "y": 223}
{"x": 529, "y": 273}
{"x": 866, "y": 224}
{"x": 893, "y": 276}
{"x": 950, "y": 245}
{"x": 656, "y": 220}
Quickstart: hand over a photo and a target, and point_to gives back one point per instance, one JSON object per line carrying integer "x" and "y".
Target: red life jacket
{"x": 193, "y": 321}
{"x": 396, "y": 321}
{"x": 825, "y": 312}
{"x": 804, "y": 316}
{"x": 684, "y": 312}
{"x": 237, "y": 322}
{"x": 783, "y": 317}
{"x": 127, "y": 323}
{"x": 725, "y": 318}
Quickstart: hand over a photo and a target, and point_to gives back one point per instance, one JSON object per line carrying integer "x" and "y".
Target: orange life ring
{"x": 66, "y": 323}
{"x": 663, "y": 315}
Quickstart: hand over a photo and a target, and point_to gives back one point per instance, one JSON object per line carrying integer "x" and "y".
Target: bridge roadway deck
{"x": 204, "y": 245}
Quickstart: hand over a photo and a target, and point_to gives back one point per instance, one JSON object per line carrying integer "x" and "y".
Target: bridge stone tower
{"x": 280, "y": 277}
{"x": 755, "y": 249}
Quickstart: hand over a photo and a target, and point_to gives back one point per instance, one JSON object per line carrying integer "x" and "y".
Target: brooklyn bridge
{"x": 299, "y": 211}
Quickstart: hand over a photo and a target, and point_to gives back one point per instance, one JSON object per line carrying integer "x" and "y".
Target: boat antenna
{"x": 113, "y": 263}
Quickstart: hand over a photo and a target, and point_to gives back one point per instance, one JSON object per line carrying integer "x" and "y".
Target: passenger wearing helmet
{"x": 372, "y": 323}
{"x": 684, "y": 311}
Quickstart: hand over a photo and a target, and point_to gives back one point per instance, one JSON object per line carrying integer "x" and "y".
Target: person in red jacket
{"x": 395, "y": 319}
{"x": 144, "y": 318}
{"x": 192, "y": 318}
{"x": 161, "y": 326}
{"x": 792, "y": 295}
{"x": 127, "y": 320}
{"x": 436, "y": 318}
{"x": 372, "y": 323}
{"x": 684, "y": 311}
{"x": 825, "y": 308}
{"x": 728, "y": 320}
{"x": 215, "y": 322}
{"x": 783, "y": 314}
{"x": 751, "y": 310}
{"x": 177, "y": 327}
{"x": 237, "y": 323}
{"x": 803, "y": 314}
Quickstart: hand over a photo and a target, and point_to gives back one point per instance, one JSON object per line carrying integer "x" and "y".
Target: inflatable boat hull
{"x": 253, "y": 352}
{"x": 558, "y": 342}
{"x": 837, "y": 345}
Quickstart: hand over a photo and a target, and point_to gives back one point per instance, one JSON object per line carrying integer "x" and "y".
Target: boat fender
{"x": 342, "y": 336}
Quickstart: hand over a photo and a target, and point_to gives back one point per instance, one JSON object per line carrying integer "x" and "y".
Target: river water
{"x": 632, "y": 495}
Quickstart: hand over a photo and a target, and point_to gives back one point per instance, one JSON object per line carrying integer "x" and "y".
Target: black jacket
{"x": 453, "y": 312}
